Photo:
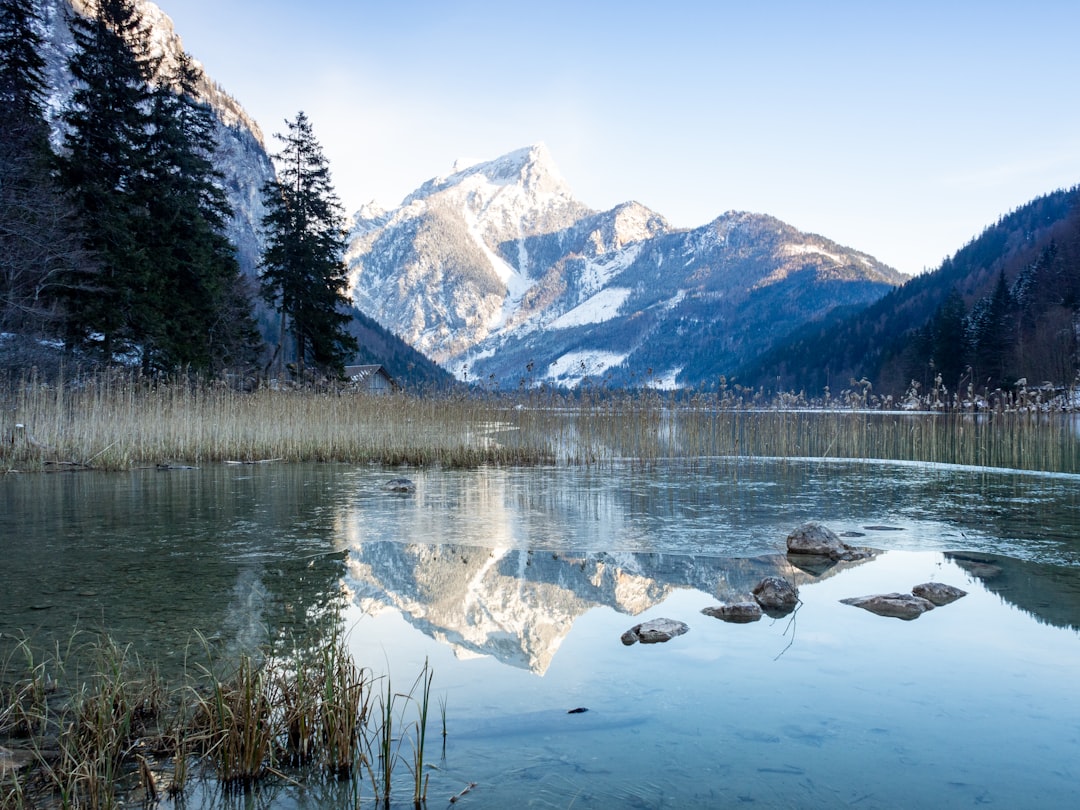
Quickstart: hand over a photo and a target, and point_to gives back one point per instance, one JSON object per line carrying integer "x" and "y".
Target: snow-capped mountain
{"x": 499, "y": 273}
{"x": 241, "y": 155}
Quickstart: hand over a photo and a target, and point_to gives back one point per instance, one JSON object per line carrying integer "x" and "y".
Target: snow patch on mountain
{"x": 666, "y": 380}
{"x": 601, "y": 307}
{"x": 572, "y": 368}
{"x": 810, "y": 248}
{"x": 599, "y": 272}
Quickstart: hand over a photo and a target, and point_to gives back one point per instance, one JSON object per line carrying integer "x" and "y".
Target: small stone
{"x": 938, "y": 592}
{"x": 399, "y": 485}
{"x": 776, "y": 595}
{"x": 735, "y": 612}
{"x": 578, "y": 710}
{"x": 655, "y": 631}
{"x": 904, "y": 606}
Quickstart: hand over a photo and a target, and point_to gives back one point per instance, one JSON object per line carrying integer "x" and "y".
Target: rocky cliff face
{"x": 241, "y": 154}
{"x": 499, "y": 273}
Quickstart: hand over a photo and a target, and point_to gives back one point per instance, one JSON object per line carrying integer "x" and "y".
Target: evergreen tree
{"x": 37, "y": 239}
{"x": 22, "y": 68}
{"x": 993, "y": 332}
{"x": 100, "y": 168}
{"x": 197, "y": 316}
{"x": 949, "y": 340}
{"x": 303, "y": 268}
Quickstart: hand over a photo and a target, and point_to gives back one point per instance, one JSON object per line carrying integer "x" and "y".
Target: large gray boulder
{"x": 814, "y": 539}
{"x": 654, "y": 631}
{"x": 904, "y": 606}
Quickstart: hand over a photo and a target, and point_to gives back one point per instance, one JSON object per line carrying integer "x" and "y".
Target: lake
{"x": 516, "y": 584}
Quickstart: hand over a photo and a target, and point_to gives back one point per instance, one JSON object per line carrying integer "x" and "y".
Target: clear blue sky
{"x": 897, "y": 128}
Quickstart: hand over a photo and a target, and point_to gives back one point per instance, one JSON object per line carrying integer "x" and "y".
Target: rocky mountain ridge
{"x": 499, "y": 273}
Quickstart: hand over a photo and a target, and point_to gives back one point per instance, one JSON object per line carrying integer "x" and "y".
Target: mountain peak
{"x": 532, "y": 168}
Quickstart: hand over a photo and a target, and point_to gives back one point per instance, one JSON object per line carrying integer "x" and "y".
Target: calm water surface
{"x": 516, "y": 585}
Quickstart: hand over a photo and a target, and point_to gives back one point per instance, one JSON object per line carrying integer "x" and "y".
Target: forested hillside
{"x": 1005, "y": 307}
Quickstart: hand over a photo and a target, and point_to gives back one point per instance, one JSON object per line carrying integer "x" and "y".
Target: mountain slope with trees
{"x": 131, "y": 218}
{"x": 1005, "y": 307}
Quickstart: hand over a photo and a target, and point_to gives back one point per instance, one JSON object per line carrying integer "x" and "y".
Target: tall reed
{"x": 116, "y": 422}
{"x": 423, "y": 703}
{"x": 385, "y": 755}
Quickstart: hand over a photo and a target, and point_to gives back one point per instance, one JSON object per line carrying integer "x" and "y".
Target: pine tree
{"x": 994, "y": 335}
{"x": 100, "y": 168}
{"x": 22, "y": 67}
{"x": 38, "y": 241}
{"x": 303, "y": 268}
{"x": 949, "y": 340}
{"x": 197, "y": 278}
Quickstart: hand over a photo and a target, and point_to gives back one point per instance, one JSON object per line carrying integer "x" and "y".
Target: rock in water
{"x": 735, "y": 612}
{"x": 399, "y": 485}
{"x": 814, "y": 539}
{"x": 938, "y": 592}
{"x": 776, "y": 596}
{"x": 654, "y": 631}
{"x": 904, "y": 606}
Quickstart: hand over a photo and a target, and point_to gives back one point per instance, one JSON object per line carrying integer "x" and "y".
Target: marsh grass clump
{"x": 236, "y": 721}
{"x": 343, "y": 710}
{"x": 81, "y": 737}
{"x": 103, "y": 729}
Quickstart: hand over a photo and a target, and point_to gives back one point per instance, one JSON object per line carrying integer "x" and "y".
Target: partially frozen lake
{"x": 516, "y": 584}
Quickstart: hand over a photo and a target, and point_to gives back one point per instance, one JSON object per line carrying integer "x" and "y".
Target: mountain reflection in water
{"x": 518, "y": 605}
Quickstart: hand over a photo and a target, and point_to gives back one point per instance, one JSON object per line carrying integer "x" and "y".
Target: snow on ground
{"x": 601, "y": 307}
{"x": 802, "y": 250}
{"x": 573, "y": 367}
{"x": 665, "y": 380}
{"x": 599, "y": 272}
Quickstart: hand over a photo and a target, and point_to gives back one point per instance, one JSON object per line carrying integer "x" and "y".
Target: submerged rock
{"x": 817, "y": 540}
{"x": 776, "y": 595}
{"x": 904, "y": 606}
{"x": 654, "y": 631}
{"x": 399, "y": 485}
{"x": 12, "y": 761}
{"x": 735, "y": 612}
{"x": 938, "y": 592}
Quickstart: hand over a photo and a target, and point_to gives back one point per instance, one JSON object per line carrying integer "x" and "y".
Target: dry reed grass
{"x": 110, "y": 422}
